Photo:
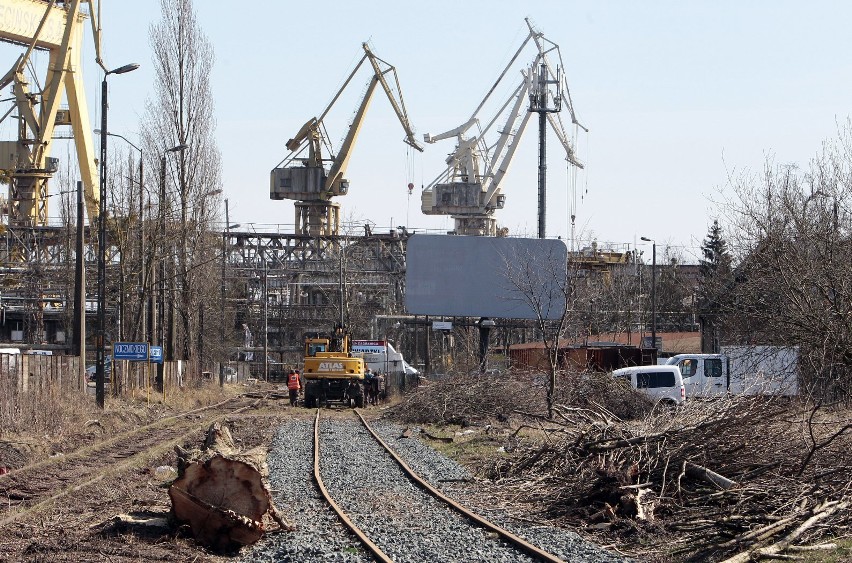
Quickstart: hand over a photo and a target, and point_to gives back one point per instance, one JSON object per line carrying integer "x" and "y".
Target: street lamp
{"x": 653, "y": 291}
{"x": 162, "y": 282}
{"x": 99, "y": 365}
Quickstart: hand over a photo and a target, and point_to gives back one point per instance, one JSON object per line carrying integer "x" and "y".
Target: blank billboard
{"x": 466, "y": 276}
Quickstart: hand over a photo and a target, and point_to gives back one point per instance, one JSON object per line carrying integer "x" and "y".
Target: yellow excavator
{"x": 331, "y": 373}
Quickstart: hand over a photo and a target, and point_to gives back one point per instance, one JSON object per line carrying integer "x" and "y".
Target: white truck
{"x": 740, "y": 370}
{"x": 380, "y": 356}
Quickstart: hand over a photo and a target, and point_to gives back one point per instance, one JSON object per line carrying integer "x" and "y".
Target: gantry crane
{"x": 470, "y": 188}
{"x": 55, "y": 27}
{"x": 306, "y": 178}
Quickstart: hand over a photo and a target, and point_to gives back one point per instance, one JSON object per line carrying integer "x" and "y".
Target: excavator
{"x": 303, "y": 175}
{"x": 470, "y": 188}
{"x": 331, "y": 372}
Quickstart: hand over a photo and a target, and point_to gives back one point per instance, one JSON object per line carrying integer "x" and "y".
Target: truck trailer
{"x": 381, "y": 357}
{"x": 740, "y": 370}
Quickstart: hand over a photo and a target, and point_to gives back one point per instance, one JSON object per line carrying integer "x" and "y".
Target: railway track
{"x": 360, "y": 511}
{"x": 38, "y": 485}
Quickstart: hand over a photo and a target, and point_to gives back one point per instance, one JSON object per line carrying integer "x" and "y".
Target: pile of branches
{"x": 473, "y": 398}
{"x": 741, "y": 478}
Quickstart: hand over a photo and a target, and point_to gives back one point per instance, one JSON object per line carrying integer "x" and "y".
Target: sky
{"x": 677, "y": 97}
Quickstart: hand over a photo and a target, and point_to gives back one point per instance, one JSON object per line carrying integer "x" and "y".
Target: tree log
{"x": 699, "y": 472}
{"x": 222, "y": 493}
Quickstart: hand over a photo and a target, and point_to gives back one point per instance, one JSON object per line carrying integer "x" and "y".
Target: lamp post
{"x": 100, "y": 364}
{"x": 653, "y": 291}
{"x": 162, "y": 280}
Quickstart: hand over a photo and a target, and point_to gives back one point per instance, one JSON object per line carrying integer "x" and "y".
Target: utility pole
{"x": 265, "y": 321}
{"x": 79, "y": 348}
{"x": 653, "y": 292}
{"x": 225, "y": 237}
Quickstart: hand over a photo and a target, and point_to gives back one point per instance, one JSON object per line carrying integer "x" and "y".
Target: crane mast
{"x": 470, "y": 188}
{"x": 312, "y": 179}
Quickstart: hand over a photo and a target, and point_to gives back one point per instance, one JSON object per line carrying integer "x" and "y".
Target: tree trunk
{"x": 223, "y": 494}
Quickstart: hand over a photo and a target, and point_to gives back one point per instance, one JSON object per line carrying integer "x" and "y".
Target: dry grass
{"x": 46, "y": 421}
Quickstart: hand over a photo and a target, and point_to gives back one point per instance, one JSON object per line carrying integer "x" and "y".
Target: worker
{"x": 353, "y": 391}
{"x": 380, "y": 388}
{"x": 369, "y": 387}
{"x": 293, "y": 386}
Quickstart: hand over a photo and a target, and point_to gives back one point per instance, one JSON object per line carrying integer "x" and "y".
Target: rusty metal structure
{"x": 283, "y": 285}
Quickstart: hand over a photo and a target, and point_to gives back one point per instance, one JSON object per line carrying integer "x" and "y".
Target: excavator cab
{"x": 312, "y": 347}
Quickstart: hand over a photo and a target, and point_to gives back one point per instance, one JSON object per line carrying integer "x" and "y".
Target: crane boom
{"x": 460, "y": 190}
{"x": 59, "y": 31}
{"x": 306, "y": 179}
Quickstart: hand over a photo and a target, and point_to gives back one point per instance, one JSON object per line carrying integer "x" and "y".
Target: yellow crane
{"x": 56, "y": 27}
{"x": 303, "y": 176}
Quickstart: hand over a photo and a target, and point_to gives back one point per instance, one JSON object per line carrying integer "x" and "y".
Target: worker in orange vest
{"x": 293, "y": 385}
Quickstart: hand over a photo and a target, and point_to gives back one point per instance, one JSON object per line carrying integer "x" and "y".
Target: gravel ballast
{"x": 407, "y": 523}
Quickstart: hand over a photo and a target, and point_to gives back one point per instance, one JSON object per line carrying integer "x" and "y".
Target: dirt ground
{"x": 84, "y": 524}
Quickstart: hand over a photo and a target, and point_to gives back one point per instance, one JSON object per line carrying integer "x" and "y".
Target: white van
{"x": 659, "y": 383}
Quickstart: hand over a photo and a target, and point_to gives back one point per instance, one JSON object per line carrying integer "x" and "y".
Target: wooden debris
{"x": 446, "y": 440}
{"x": 222, "y": 493}
{"x": 148, "y": 522}
{"x": 709, "y": 476}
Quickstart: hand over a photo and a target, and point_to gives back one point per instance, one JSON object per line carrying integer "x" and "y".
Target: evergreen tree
{"x": 713, "y": 286}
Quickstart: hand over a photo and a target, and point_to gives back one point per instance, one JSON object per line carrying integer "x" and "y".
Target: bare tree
{"x": 790, "y": 234}
{"x": 547, "y": 285}
{"x": 181, "y": 115}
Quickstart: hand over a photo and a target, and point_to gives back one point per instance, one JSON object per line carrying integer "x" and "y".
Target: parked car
{"x": 659, "y": 383}
{"x": 92, "y": 371}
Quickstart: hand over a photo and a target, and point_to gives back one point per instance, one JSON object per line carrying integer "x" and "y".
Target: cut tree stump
{"x": 223, "y": 494}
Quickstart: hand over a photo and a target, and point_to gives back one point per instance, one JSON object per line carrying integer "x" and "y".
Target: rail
{"x": 516, "y": 541}
{"x": 374, "y": 549}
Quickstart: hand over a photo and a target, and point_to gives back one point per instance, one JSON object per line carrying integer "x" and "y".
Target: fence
{"x": 30, "y": 376}
{"x": 25, "y": 378}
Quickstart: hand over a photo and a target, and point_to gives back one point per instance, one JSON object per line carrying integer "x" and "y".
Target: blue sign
{"x": 133, "y": 351}
{"x": 156, "y": 354}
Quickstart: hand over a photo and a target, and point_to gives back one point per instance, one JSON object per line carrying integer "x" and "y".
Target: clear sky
{"x": 677, "y": 96}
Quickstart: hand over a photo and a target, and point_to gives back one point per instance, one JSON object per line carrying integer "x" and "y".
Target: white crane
{"x": 470, "y": 188}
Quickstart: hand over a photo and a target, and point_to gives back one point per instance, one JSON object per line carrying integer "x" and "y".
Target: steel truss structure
{"x": 284, "y": 285}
